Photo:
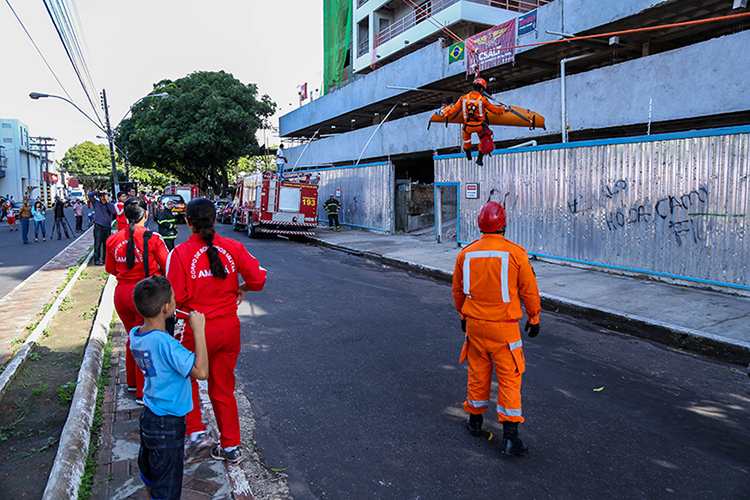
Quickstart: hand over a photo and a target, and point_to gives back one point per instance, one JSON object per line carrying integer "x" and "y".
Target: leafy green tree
{"x": 91, "y": 164}
{"x": 208, "y": 121}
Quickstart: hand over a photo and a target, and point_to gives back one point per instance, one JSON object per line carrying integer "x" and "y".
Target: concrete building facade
{"x": 21, "y": 173}
{"x": 654, "y": 71}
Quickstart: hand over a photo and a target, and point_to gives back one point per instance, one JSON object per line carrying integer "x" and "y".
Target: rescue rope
{"x": 434, "y": 21}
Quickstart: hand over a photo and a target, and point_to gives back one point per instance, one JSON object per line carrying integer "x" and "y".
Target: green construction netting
{"x": 337, "y": 29}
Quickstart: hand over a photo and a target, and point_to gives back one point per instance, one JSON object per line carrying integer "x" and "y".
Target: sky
{"x": 132, "y": 44}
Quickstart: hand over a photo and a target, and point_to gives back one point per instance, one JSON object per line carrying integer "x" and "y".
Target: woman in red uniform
{"x": 205, "y": 275}
{"x": 125, "y": 259}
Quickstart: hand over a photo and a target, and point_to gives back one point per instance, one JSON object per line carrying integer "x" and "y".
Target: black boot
{"x": 468, "y": 153}
{"x": 474, "y": 423}
{"x": 512, "y": 444}
{"x": 480, "y": 155}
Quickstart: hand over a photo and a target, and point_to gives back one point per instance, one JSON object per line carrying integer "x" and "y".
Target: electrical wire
{"x": 434, "y": 21}
{"x": 38, "y": 49}
{"x": 60, "y": 15}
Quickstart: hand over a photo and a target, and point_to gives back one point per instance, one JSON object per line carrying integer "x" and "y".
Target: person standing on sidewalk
{"x": 133, "y": 254}
{"x": 104, "y": 210}
{"x": 205, "y": 275}
{"x": 11, "y": 213}
{"x": 39, "y": 221}
{"x": 332, "y": 206}
{"x": 78, "y": 211}
{"x": 167, "y": 366}
{"x": 167, "y": 228}
{"x": 122, "y": 221}
{"x": 25, "y": 214}
{"x": 60, "y": 223}
{"x": 491, "y": 278}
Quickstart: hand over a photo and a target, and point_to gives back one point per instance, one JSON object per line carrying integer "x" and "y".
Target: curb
{"x": 678, "y": 337}
{"x": 67, "y": 471}
{"x": 23, "y": 353}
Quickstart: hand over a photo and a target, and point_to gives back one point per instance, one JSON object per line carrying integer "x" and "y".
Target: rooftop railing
{"x": 432, "y": 7}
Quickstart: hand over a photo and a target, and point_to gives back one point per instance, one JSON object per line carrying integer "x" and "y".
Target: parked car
{"x": 220, "y": 205}
{"x": 225, "y": 216}
{"x": 178, "y": 206}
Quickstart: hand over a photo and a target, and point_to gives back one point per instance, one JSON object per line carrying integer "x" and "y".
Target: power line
{"x": 67, "y": 33}
{"x": 37, "y": 49}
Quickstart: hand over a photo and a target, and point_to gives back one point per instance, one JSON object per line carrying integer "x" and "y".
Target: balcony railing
{"x": 363, "y": 47}
{"x": 513, "y": 5}
{"x": 434, "y": 6}
{"x": 360, "y": 3}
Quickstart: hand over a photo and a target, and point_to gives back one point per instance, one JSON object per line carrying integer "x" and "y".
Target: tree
{"x": 91, "y": 164}
{"x": 208, "y": 121}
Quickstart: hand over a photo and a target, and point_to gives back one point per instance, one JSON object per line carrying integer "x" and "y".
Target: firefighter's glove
{"x": 532, "y": 329}
{"x": 463, "y": 325}
{"x": 440, "y": 112}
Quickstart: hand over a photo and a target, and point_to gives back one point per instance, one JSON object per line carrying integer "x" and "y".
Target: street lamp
{"x": 108, "y": 131}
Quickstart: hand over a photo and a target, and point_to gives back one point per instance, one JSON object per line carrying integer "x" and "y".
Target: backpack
{"x": 486, "y": 141}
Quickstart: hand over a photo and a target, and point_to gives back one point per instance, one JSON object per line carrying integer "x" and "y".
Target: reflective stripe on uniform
{"x": 463, "y": 106}
{"x": 479, "y": 404}
{"x": 509, "y": 413}
{"x": 492, "y": 254}
{"x": 515, "y": 345}
{"x": 481, "y": 110}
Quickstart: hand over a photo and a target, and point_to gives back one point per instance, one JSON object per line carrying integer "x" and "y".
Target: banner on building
{"x": 456, "y": 52}
{"x": 490, "y": 48}
{"x": 302, "y": 92}
{"x": 527, "y": 23}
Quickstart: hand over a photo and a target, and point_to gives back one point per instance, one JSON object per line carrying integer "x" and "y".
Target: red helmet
{"x": 492, "y": 217}
{"x": 480, "y": 81}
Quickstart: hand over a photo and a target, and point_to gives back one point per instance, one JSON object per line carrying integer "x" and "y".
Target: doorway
{"x": 446, "y": 211}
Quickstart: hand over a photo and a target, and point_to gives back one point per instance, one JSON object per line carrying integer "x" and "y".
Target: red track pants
{"x": 130, "y": 318}
{"x": 498, "y": 342}
{"x": 223, "y": 343}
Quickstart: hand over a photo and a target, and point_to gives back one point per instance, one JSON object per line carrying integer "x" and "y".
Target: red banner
{"x": 489, "y": 48}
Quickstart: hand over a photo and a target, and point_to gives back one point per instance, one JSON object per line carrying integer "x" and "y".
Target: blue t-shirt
{"x": 166, "y": 366}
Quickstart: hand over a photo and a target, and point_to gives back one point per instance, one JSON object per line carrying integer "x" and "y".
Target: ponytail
{"x": 201, "y": 213}
{"x": 135, "y": 209}
{"x": 130, "y": 253}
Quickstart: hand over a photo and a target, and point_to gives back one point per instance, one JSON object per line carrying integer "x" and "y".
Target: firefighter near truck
{"x": 266, "y": 205}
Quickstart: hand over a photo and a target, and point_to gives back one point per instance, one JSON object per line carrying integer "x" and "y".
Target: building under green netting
{"x": 337, "y": 29}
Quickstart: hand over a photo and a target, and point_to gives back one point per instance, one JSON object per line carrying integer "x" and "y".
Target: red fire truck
{"x": 266, "y": 205}
{"x": 188, "y": 192}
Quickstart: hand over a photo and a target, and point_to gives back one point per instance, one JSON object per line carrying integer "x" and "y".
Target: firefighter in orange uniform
{"x": 473, "y": 106}
{"x": 491, "y": 278}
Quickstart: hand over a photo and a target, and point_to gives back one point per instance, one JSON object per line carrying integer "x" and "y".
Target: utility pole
{"x": 111, "y": 140}
{"x": 44, "y": 146}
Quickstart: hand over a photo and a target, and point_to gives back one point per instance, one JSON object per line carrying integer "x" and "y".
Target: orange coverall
{"x": 491, "y": 277}
{"x": 473, "y": 106}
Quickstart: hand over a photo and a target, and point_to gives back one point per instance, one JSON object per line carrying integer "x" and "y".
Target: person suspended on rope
{"x": 474, "y": 107}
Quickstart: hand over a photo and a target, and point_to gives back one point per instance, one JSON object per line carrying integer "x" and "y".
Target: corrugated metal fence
{"x": 674, "y": 205}
{"x": 366, "y": 194}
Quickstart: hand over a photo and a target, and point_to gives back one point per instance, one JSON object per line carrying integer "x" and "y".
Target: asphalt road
{"x": 352, "y": 370}
{"x": 19, "y": 261}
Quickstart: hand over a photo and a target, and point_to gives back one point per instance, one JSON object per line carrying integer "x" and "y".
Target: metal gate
{"x": 673, "y": 205}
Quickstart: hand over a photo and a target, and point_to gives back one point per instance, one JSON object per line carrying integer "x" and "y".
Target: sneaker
{"x": 131, "y": 388}
{"x": 198, "y": 450}
{"x": 233, "y": 457}
{"x": 139, "y": 401}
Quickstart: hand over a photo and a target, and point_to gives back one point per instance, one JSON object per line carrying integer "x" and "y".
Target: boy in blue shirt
{"x": 167, "y": 368}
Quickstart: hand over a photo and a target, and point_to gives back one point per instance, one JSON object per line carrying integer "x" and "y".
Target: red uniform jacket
{"x": 122, "y": 221}
{"x": 196, "y": 289}
{"x": 117, "y": 246}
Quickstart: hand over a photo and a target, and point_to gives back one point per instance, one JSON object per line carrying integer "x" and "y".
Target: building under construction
{"x": 643, "y": 166}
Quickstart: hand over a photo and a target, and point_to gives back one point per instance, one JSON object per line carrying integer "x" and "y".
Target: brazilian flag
{"x": 455, "y": 52}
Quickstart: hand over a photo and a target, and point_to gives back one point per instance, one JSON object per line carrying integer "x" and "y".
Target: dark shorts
{"x": 161, "y": 455}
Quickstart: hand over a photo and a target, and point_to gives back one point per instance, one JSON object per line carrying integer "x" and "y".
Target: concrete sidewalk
{"x": 685, "y": 317}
